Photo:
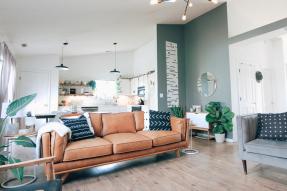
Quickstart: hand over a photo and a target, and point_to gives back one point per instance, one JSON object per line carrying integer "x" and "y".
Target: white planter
{"x": 219, "y": 138}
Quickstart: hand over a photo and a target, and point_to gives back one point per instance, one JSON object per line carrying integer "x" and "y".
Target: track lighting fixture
{"x": 188, "y": 5}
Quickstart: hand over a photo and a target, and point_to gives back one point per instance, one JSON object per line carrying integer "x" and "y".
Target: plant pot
{"x": 219, "y": 138}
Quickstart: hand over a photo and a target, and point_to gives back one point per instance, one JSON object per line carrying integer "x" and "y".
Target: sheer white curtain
{"x": 8, "y": 75}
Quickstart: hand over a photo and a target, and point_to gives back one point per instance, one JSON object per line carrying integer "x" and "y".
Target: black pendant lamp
{"x": 115, "y": 71}
{"x": 62, "y": 66}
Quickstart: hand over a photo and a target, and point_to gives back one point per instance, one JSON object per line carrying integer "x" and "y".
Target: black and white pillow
{"x": 79, "y": 127}
{"x": 159, "y": 121}
{"x": 272, "y": 126}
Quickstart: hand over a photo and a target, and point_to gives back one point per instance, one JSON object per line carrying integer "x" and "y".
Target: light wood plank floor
{"x": 215, "y": 168}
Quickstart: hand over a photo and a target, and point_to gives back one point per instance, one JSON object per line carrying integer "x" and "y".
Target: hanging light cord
{"x": 115, "y": 44}
{"x": 62, "y": 58}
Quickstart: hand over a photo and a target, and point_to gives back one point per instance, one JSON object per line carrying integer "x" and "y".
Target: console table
{"x": 198, "y": 122}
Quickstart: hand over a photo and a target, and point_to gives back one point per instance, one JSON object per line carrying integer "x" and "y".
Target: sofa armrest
{"x": 246, "y": 129}
{"x": 180, "y": 125}
{"x": 54, "y": 145}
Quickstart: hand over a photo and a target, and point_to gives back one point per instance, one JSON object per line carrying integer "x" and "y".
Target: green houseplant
{"x": 177, "y": 111}
{"x": 220, "y": 118}
{"x": 92, "y": 84}
{"x": 5, "y": 157}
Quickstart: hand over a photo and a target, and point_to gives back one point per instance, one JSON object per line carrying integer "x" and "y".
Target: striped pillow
{"x": 79, "y": 127}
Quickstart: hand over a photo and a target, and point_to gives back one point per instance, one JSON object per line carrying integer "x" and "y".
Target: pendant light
{"x": 114, "y": 71}
{"x": 61, "y": 66}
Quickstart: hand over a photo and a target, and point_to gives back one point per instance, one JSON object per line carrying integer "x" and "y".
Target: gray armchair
{"x": 258, "y": 150}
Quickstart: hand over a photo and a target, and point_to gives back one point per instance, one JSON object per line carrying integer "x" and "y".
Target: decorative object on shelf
{"x": 220, "y": 118}
{"x": 61, "y": 66}
{"x": 258, "y": 76}
{"x": 6, "y": 158}
{"x": 92, "y": 84}
{"x": 72, "y": 91}
{"x": 115, "y": 69}
{"x": 177, "y": 111}
{"x": 196, "y": 108}
{"x": 206, "y": 84}
{"x": 188, "y": 4}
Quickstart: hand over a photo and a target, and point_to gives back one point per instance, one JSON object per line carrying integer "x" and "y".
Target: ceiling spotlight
{"x": 183, "y": 17}
{"x": 190, "y": 4}
{"x": 155, "y": 2}
{"x": 214, "y": 1}
{"x": 24, "y": 45}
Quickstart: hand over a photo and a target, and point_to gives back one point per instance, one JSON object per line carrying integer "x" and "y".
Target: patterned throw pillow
{"x": 79, "y": 127}
{"x": 159, "y": 121}
{"x": 272, "y": 126}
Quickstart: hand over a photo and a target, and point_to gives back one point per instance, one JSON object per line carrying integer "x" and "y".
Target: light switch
{"x": 161, "y": 95}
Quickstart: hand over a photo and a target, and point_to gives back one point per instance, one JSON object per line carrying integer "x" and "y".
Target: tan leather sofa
{"x": 119, "y": 137}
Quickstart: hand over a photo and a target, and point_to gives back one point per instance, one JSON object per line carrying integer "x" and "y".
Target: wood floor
{"x": 215, "y": 168}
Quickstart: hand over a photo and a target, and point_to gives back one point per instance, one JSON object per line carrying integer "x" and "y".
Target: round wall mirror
{"x": 206, "y": 84}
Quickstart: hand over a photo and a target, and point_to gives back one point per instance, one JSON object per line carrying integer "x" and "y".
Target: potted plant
{"x": 177, "y": 111}
{"x": 220, "y": 118}
{"x": 6, "y": 158}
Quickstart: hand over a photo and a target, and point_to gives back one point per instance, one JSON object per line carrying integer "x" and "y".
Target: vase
{"x": 219, "y": 138}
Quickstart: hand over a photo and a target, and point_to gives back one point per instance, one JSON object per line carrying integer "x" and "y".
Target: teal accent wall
{"x": 172, "y": 33}
{"x": 207, "y": 50}
{"x": 202, "y": 47}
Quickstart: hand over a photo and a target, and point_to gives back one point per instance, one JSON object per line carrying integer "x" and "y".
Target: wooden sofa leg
{"x": 177, "y": 151}
{"x": 244, "y": 163}
{"x": 64, "y": 177}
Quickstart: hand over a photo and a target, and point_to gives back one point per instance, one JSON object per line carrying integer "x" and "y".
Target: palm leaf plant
{"x": 177, "y": 111}
{"x": 5, "y": 157}
{"x": 219, "y": 117}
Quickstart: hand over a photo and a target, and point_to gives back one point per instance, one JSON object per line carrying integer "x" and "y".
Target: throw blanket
{"x": 58, "y": 127}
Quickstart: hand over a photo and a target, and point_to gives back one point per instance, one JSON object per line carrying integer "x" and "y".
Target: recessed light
{"x": 24, "y": 45}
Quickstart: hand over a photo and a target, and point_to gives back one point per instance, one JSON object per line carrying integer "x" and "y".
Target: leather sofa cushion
{"x": 267, "y": 147}
{"x": 87, "y": 148}
{"x": 118, "y": 123}
{"x": 139, "y": 119}
{"x": 179, "y": 125}
{"x": 96, "y": 121}
{"x": 128, "y": 142}
{"x": 160, "y": 138}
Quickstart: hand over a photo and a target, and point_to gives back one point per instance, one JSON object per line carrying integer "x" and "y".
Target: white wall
{"x": 265, "y": 54}
{"x": 246, "y": 15}
{"x": 97, "y": 67}
{"x": 145, "y": 58}
{"x": 42, "y": 63}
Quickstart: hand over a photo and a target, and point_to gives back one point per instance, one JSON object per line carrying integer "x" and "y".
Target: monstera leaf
{"x": 24, "y": 141}
{"x": 19, "y": 104}
{"x": 17, "y": 172}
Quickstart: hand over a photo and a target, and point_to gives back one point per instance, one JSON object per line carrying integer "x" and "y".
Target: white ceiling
{"x": 90, "y": 26}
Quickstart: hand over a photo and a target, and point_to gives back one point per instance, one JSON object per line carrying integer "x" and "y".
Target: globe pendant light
{"x": 114, "y": 71}
{"x": 61, "y": 66}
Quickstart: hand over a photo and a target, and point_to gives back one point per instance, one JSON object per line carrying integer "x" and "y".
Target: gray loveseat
{"x": 258, "y": 150}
